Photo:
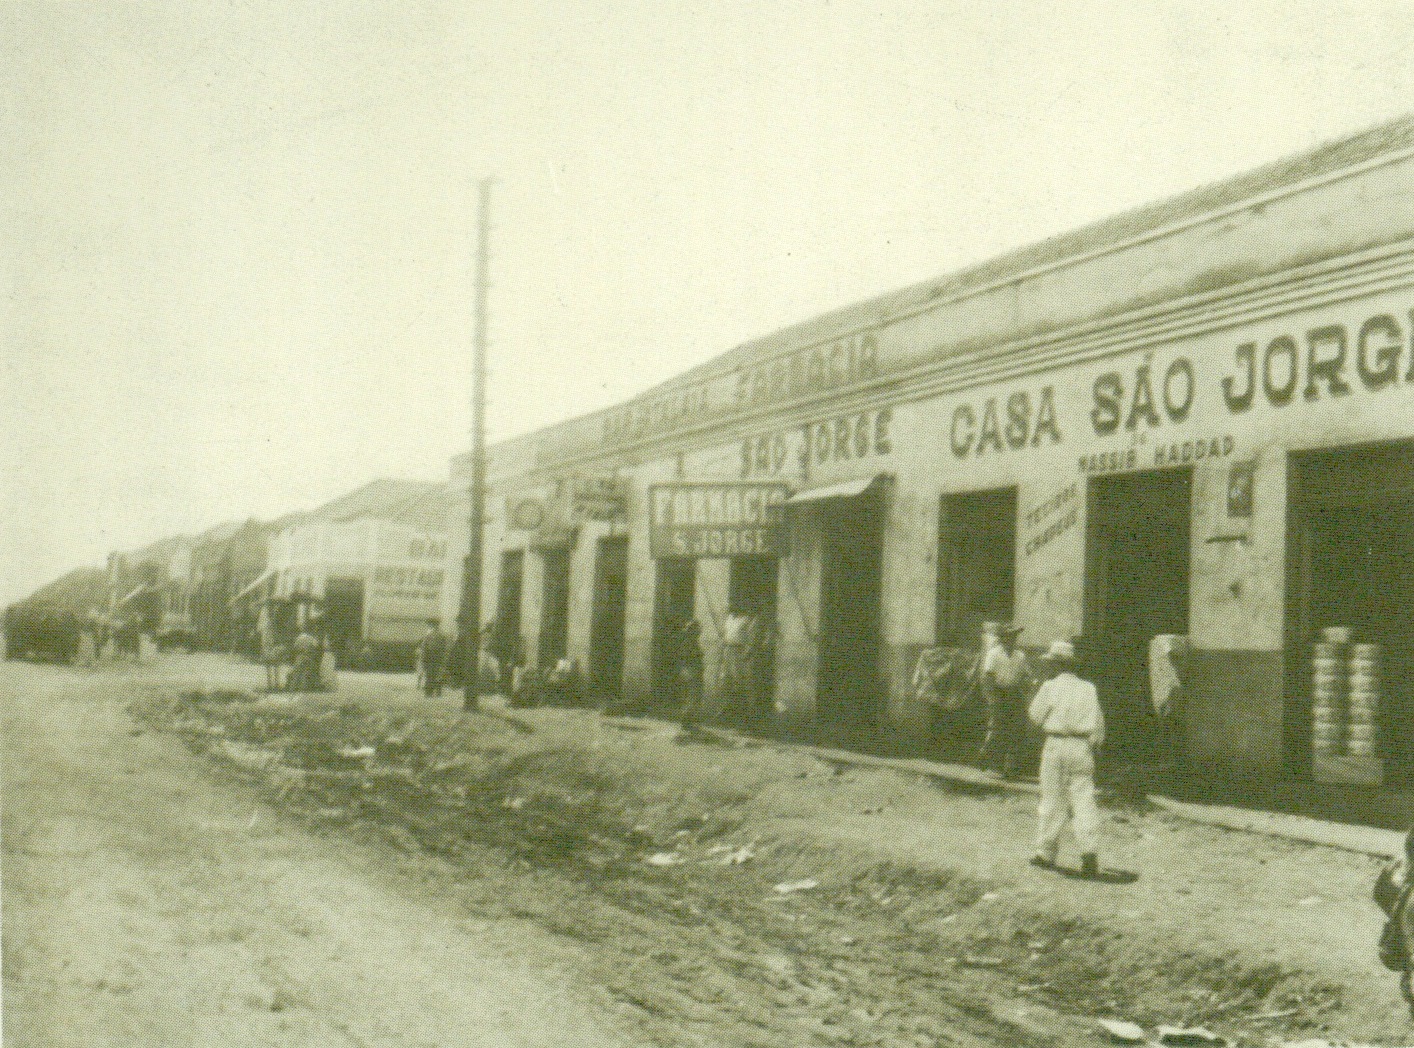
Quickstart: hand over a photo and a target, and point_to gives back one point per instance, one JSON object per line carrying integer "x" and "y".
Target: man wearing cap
{"x": 1006, "y": 683}
{"x": 1067, "y": 710}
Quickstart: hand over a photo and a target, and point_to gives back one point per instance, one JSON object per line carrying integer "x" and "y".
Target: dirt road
{"x": 190, "y": 862}
{"x": 146, "y": 905}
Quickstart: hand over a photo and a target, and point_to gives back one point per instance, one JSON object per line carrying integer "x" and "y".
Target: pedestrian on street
{"x": 432, "y": 659}
{"x": 1007, "y": 681}
{"x": 1067, "y": 710}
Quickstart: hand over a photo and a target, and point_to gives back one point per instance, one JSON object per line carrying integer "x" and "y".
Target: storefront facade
{"x": 1194, "y": 420}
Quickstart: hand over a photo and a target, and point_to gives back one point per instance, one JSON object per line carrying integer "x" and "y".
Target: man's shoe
{"x": 1089, "y": 865}
{"x": 1042, "y": 862}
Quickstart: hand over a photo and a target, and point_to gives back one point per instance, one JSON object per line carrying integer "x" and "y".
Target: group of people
{"x": 745, "y": 668}
{"x": 1066, "y": 710}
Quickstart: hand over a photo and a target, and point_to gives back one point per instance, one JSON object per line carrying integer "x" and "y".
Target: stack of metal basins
{"x": 1329, "y": 692}
{"x": 1363, "y": 700}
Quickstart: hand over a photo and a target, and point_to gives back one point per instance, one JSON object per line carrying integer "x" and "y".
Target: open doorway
{"x": 606, "y": 627}
{"x": 1136, "y": 586}
{"x": 343, "y": 618}
{"x": 554, "y": 607}
{"x": 976, "y": 563}
{"x": 752, "y": 595}
{"x": 1350, "y": 545}
{"x": 506, "y": 640}
{"x": 674, "y": 603}
{"x": 850, "y": 699}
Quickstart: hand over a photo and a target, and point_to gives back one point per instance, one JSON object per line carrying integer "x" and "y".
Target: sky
{"x": 238, "y": 237}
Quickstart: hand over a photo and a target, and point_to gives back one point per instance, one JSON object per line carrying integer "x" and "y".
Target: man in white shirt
{"x": 1067, "y": 710}
{"x": 1006, "y": 682}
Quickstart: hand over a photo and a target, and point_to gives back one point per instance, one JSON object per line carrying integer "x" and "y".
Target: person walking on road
{"x": 1067, "y": 710}
{"x": 1007, "y": 681}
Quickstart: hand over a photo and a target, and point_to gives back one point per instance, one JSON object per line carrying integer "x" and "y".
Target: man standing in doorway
{"x": 1067, "y": 710}
{"x": 1006, "y": 684}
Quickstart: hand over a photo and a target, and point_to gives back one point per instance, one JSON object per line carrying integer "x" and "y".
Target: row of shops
{"x": 1193, "y": 419}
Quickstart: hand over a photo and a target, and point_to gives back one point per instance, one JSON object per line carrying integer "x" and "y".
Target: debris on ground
{"x": 732, "y": 856}
{"x": 357, "y": 753}
{"x": 671, "y": 858}
{"x": 1127, "y": 1032}
{"x": 791, "y": 887}
{"x": 1189, "y": 1035}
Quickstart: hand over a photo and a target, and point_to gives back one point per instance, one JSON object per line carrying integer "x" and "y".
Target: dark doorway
{"x": 1350, "y": 546}
{"x": 674, "y": 603}
{"x": 976, "y": 563}
{"x": 1136, "y": 586}
{"x": 554, "y": 607}
{"x": 506, "y": 641}
{"x": 850, "y": 698}
{"x": 606, "y": 628}
{"x": 752, "y": 592}
{"x": 343, "y": 618}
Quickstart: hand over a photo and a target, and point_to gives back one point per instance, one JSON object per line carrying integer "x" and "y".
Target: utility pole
{"x": 469, "y": 616}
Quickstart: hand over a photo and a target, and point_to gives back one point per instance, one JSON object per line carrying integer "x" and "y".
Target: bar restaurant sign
{"x": 716, "y": 520}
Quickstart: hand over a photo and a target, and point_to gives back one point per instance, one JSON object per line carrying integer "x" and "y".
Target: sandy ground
{"x": 554, "y": 875}
{"x": 146, "y": 905}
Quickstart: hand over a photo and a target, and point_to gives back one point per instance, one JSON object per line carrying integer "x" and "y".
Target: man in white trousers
{"x": 1067, "y": 710}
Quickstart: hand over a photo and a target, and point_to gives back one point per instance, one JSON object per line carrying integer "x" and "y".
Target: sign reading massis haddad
{"x": 703, "y": 520}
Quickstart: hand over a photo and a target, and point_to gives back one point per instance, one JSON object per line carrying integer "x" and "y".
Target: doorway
{"x": 1350, "y": 544}
{"x": 343, "y": 618}
{"x": 674, "y": 605}
{"x": 850, "y": 698}
{"x": 752, "y": 593}
{"x": 1137, "y": 559}
{"x": 554, "y": 607}
{"x": 976, "y": 563}
{"x": 506, "y": 641}
{"x": 606, "y": 627}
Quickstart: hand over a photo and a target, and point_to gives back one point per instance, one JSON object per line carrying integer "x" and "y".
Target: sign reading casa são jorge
{"x": 716, "y": 520}
{"x": 1134, "y": 400}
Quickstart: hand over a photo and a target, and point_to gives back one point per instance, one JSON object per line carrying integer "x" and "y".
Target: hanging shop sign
{"x": 597, "y": 498}
{"x": 716, "y": 520}
{"x": 525, "y": 512}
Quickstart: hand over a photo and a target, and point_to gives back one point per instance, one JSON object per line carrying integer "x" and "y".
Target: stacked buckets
{"x": 1345, "y": 701}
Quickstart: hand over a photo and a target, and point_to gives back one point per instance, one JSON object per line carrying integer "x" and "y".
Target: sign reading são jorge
{"x": 1369, "y": 354}
{"x": 716, "y": 520}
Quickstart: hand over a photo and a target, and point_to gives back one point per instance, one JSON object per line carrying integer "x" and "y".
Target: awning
{"x": 264, "y": 576}
{"x": 845, "y": 490}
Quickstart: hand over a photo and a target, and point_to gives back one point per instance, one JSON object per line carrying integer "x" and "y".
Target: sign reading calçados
{"x": 716, "y": 520}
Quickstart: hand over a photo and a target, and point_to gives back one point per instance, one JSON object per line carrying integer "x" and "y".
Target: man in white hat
{"x": 1067, "y": 710}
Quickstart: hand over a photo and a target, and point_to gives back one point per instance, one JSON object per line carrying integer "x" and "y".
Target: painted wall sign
{"x": 1018, "y": 420}
{"x": 1051, "y": 518}
{"x": 813, "y": 369}
{"x": 525, "y": 513}
{"x": 716, "y": 520}
{"x": 1211, "y": 385}
{"x": 841, "y": 439}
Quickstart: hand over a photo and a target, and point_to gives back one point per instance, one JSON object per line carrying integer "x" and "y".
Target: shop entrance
{"x": 1136, "y": 586}
{"x": 976, "y": 563}
{"x": 343, "y": 618}
{"x": 1350, "y": 546}
{"x": 674, "y": 603}
{"x": 506, "y": 641}
{"x": 850, "y": 698}
{"x": 752, "y": 593}
{"x": 554, "y": 607}
{"x": 606, "y": 625}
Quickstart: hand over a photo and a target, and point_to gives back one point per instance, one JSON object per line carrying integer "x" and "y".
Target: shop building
{"x": 1196, "y": 418}
{"x": 370, "y": 564}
